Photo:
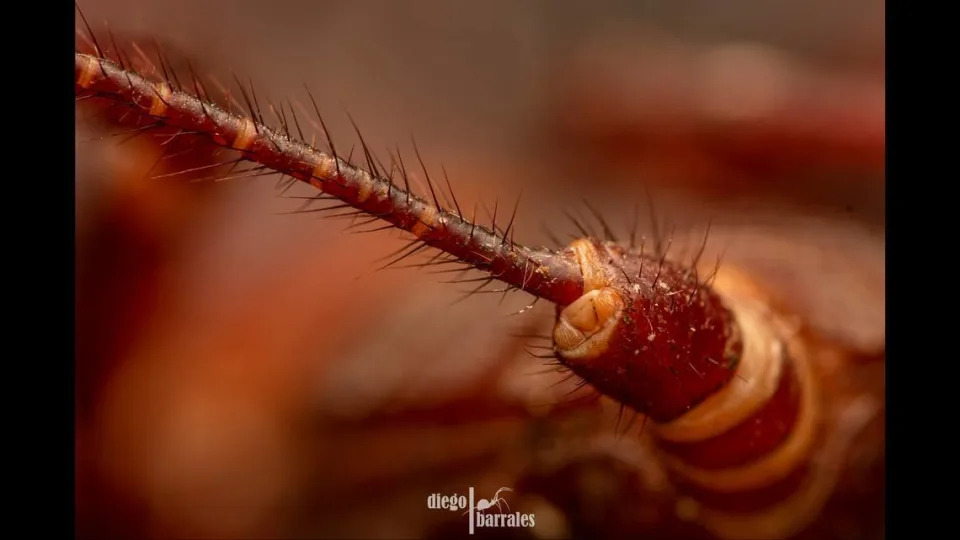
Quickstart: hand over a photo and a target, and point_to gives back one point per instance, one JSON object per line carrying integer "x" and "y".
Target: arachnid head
{"x": 645, "y": 331}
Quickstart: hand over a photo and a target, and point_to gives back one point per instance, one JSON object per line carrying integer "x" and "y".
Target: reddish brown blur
{"x": 246, "y": 374}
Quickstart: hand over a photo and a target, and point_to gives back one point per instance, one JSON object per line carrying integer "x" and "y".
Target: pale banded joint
{"x": 158, "y": 101}
{"x": 426, "y": 221}
{"x": 584, "y": 328}
{"x": 87, "y": 75}
{"x": 754, "y": 383}
{"x": 760, "y": 370}
{"x": 246, "y": 135}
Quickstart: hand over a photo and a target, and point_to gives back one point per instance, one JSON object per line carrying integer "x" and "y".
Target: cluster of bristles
{"x": 365, "y": 194}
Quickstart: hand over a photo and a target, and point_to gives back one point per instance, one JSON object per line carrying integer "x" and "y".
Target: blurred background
{"x": 242, "y": 373}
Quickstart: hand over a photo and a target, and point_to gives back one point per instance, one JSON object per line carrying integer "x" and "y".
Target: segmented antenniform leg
{"x": 540, "y": 272}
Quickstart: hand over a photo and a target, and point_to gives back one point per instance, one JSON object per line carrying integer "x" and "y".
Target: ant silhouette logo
{"x": 479, "y": 517}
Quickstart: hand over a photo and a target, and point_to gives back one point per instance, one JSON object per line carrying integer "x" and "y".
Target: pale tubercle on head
{"x": 584, "y": 328}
